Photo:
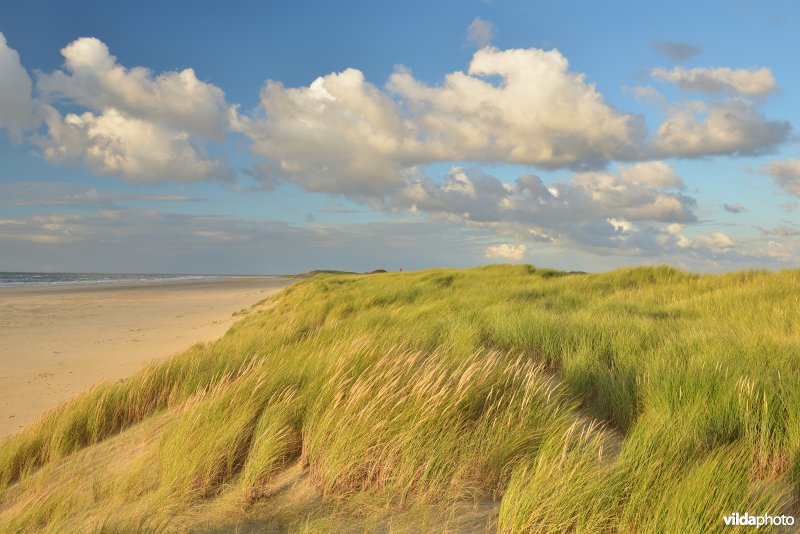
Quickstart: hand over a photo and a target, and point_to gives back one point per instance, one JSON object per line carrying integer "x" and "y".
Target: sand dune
{"x": 58, "y": 341}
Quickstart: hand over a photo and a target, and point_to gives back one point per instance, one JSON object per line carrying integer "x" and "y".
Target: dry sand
{"x": 58, "y": 341}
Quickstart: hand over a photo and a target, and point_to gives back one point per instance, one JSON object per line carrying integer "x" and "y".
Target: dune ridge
{"x": 502, "y": 398}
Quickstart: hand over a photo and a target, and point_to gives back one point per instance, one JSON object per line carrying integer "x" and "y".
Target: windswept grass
{"x": 529, "y": 400}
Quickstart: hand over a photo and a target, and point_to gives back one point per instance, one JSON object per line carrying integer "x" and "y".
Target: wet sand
{"x": 56, "y": 341}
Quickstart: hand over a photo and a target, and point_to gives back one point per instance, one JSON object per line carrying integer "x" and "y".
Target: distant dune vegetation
{"x": 503, "y": 398}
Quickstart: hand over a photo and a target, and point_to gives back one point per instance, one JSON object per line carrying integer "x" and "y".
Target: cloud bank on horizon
{"x": 616, "y": 192}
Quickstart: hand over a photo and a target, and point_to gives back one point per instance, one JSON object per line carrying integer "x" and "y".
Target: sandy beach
{"x": 58, "y": 341}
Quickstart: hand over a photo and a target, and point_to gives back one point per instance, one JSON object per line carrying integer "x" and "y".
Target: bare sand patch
{"x": 56, "y": 341}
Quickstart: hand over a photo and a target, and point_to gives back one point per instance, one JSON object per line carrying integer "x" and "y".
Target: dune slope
{"x": 503, "y": 398}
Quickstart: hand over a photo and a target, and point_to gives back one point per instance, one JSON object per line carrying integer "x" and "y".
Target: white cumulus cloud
{"x": 645, "y": 191}
{"x": 342, "y": 134}
{"x": 139, "y": 125}
{"x": 749, "y": 82}
{"x": 731, "y": 127}
{"x": 16, "y": 104}
{"x": 540, "y": 113}
{"x": 785, "y": 174}
{"x": 115, "y": 143}
{"x": 717, "y": 241}
{"x": 505, "y": 251}
{"x": 633, "y": 205}
{"x": 656, "y": 174}
{"x": 92, "y": 78}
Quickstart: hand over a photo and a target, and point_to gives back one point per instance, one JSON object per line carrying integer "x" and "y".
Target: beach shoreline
{"x": 59, "y": 340}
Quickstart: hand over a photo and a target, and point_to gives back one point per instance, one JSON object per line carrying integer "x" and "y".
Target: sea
{"x": 54, "y": 279}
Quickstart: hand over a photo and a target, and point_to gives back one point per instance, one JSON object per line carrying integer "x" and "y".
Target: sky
{"x": 279, "y": 137}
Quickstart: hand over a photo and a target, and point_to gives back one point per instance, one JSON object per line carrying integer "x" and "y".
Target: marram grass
{"x": 503, "y": 398}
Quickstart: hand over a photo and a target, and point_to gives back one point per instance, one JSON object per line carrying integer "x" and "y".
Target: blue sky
{"x": 364, "y": 135}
